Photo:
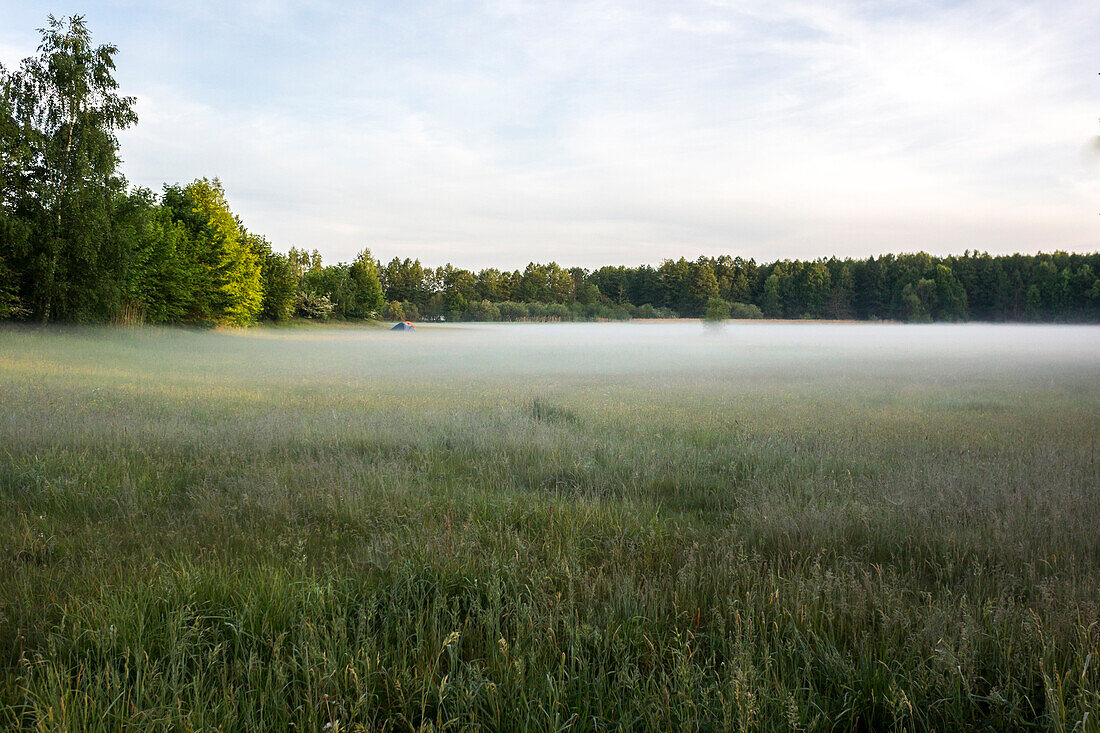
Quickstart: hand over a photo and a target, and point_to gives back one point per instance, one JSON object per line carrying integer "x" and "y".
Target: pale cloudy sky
{"x": 494, "y": 133}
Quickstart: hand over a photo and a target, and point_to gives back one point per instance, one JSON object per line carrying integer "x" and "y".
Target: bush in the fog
{"x": 716, "y": 310}
{"x": 512, "y": 311}
{"x": 745, "y": 310}
{"x": 482, "y": 310}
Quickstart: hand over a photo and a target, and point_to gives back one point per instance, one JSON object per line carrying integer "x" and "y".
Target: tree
{"x": 311, "y": 305}
{"x": 491, "y": 285}
{"x": 60, "y": 154}
{"x": 585, "y": 291}
{"x": 735, "y": 277}
{"x": 950, "y": 298}
{"x": 405, "y": 280}
{"x": 459, "y": 288}
{"x": 227, "y": 281}
{"x": 15, "y": 161}
{"x": 159, "y": 279}
{"x": 1034, "y": 302}
{"x": 547, "y": 283}
{"x": 916, "y": 300}
{"x": 300, "y": 261}
{"x": 717, "y": 310}
{"x": 644, "y": 286}
{"x": 672, "y": 279}
{"x": 772, "y": 306}
{"x": 10, "y": 306}
{"x": 393, "y": 311}
{"x": 816, "y": 283}
{"x": 613, "y": 282}
{"x": 839, "y": 302}
{"x": 702, "y": 289}
{"x": 869, "y": 297}
{"x": 1082, "y": 287}
{"x": 279, "y": 283}
{"x": 367, "y": 287}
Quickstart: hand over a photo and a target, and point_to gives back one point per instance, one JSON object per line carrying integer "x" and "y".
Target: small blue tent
{"x": 404, "y": 326}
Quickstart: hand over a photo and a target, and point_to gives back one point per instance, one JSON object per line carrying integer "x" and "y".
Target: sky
{"x": 621, "y": 132}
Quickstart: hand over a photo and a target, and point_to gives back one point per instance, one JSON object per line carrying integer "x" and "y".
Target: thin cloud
{"x": 591, "y": 133}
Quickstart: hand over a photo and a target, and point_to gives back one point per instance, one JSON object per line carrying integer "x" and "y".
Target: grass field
{"x": 551, "y": 527}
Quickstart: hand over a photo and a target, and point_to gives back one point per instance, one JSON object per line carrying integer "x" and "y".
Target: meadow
{"x": 539, "y": 527}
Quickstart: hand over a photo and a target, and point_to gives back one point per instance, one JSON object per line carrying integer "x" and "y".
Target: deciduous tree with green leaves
{"x": 61, "y": 114}
{"x": 229, "y": 285}
{"x": 367, "y": 286}
{"x": 717, "y": 310}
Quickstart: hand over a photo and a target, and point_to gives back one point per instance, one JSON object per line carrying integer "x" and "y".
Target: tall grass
{"x": 313, "y": 530}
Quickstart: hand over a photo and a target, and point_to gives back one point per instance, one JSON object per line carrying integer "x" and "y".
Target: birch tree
{"x": 60, "y": 160}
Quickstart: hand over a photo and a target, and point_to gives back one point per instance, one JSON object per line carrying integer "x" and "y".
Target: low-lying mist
{"x": 443, "y": 353}
{"x": 656, "y": 526}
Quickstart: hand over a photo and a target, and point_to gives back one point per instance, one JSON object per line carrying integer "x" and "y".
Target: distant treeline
{"x": 78, "y": 244}
{"x": 915, "y": 287}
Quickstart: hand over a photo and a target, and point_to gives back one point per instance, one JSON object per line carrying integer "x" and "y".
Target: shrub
{"x": 557, "y": 312}
{"x": 393, "y": 311}
{"x": 716, "y": 310}
{"x": 511, "y": 311}
{"x": 312, "y": 305}
{"x": 620, "y": 313}
{"x": 745, "y": 310}
{"x": 482, "y": 310}
{"x": 599, "y": 311}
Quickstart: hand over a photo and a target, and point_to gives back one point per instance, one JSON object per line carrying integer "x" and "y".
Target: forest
{"x": 79, "y": 244}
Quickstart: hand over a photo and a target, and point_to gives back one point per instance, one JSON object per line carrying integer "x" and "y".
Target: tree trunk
{"x": 51, "y": 273}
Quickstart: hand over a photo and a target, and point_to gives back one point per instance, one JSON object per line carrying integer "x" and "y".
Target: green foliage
{"x": 392, "y": 311}
{"x": 76, "y": 243}
{"x": 161, "y": 275}
{"x": 915, "y": 299}
{"x": 588, "y": 293}
{"x": 405, "y": 281}
{"x": 309, "y": 304}
{"x": 745, "y": 311}
{"x": 937, "y": 295}
{"x": 236, "y": 294}
{"x": 773, "y": 307}
{"x": 58, "y": 120}
{"x": 366, "y": 286}
{"x": 685, "y": 286}
{"x": 510, "y": 311}
{"x": 354, "y": 290}
{"x": 717, "y": 310}
{"x": 482, "y": 310}
{"x": 545, "y": 284}
{"x": 280, "y": 285}
{"x": 815, "y": 287}
{"x": 14, "y": 235}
